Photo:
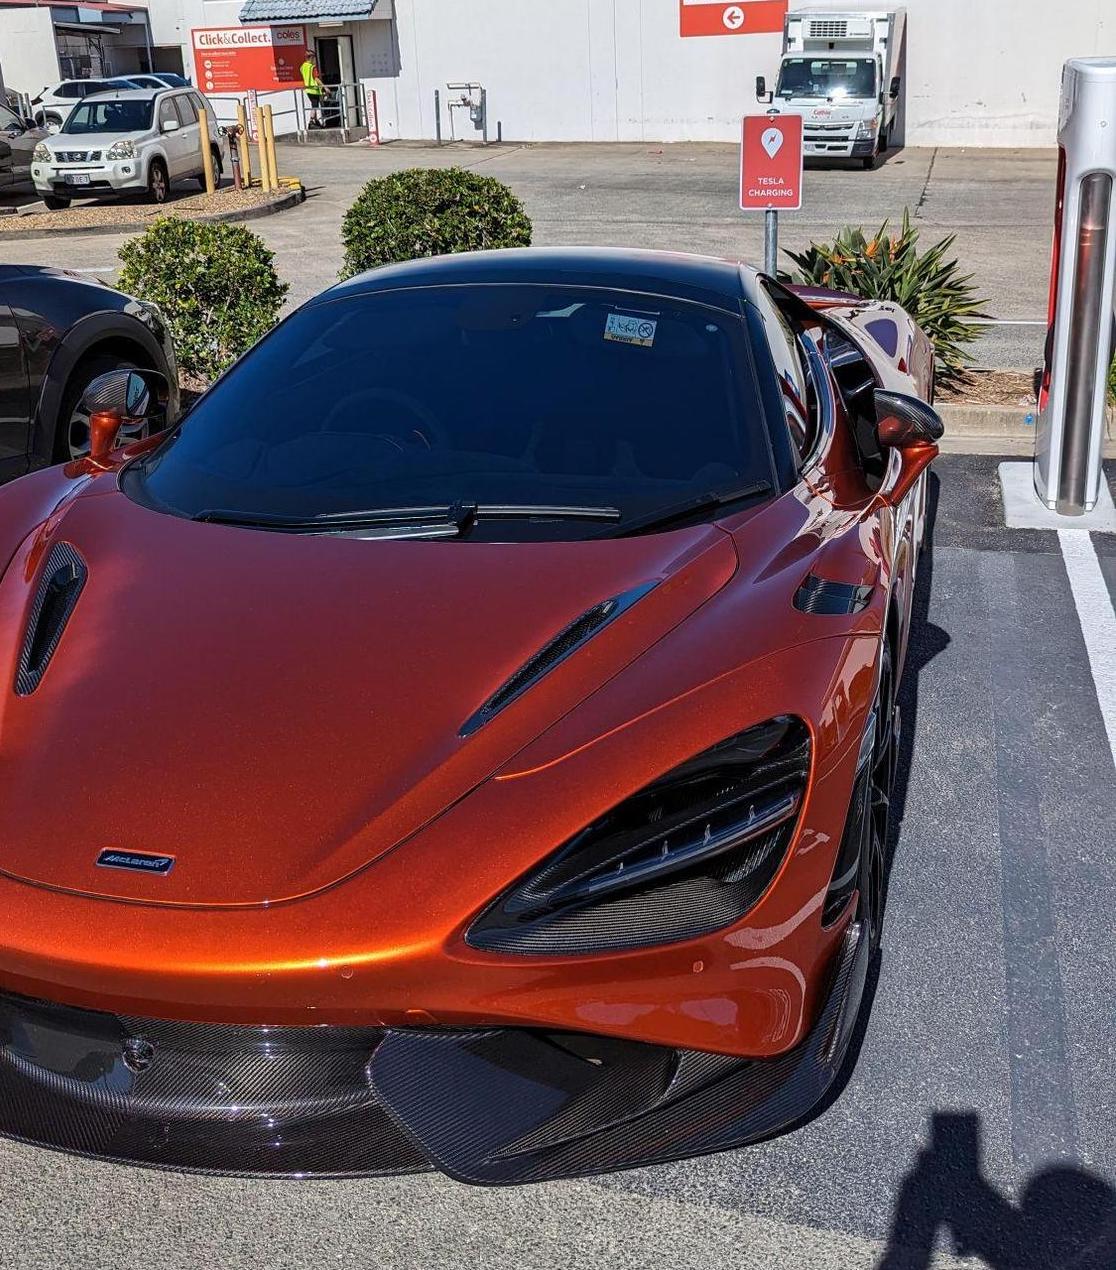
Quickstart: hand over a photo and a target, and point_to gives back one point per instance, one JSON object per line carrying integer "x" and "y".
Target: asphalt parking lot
{"x": 977, "y": 1121}
{"x": 999, "y": 203}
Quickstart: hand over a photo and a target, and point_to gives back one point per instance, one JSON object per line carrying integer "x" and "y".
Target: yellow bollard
{"x": 272, "y": 163}
{"x": 206, "y": 153}
{"x": 242, "y": 145}
{"x": 261, "y": 145}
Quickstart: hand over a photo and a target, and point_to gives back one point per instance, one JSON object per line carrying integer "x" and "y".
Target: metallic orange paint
{"x": 282, "y": 714}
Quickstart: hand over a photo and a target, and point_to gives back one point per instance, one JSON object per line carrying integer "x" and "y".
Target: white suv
{"x": 125, "y": 142}
{"x": 53, "y": 105}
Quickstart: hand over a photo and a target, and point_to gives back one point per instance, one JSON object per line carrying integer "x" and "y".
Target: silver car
{"x": 18, "y": 139}
{"x": 126, "y": 142}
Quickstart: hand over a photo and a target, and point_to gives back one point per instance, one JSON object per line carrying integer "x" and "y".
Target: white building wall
{"x": 978, "y": 72}
{"x": 27, "y": 46}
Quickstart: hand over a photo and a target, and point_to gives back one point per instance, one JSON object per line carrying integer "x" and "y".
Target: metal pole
{"x": 438, "y": 115}
{"x": 771, "y": 242}
{"x": 484, "y": 115}
{"x": 206, "y": 153}
{"x": 242, "y": 145}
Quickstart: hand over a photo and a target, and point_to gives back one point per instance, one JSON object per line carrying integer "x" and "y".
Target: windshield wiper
{"x": 439, "y": 521}
{"x": 665, "y": 516}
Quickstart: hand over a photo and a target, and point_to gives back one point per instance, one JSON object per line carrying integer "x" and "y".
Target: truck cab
{"x": 840, "y": 72}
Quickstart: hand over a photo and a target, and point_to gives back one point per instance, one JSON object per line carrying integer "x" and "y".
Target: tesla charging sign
{"x": 1082, "y": 293}
{"x": 747, "y": 17}
{"x": 236, "y": 59}
{"x": 771, "y": 163}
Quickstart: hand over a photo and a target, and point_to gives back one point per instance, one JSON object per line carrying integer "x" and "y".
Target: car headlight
{"x": 689, "y": 854}
{"x": 121, "y": 150}
{"x": 41, "y": 154}
{"x": 867, "y": 128}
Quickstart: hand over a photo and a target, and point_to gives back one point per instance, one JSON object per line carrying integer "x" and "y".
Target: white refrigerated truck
{"x": 841, "y": 72}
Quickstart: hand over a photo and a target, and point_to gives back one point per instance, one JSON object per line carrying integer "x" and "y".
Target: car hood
{"x": 92, "y": 140}
{"x": 276, "y": 711}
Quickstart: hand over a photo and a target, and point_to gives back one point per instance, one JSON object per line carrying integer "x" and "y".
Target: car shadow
{"x": 1065, "y": 1218}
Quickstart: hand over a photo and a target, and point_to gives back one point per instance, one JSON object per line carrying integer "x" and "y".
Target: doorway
{"x": 337, "y": 69}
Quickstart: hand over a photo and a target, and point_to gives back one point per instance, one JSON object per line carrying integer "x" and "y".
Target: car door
{"x": 173, "y": 144}
{"x": 191, "y": 134}
{"x": 14, "y": 396}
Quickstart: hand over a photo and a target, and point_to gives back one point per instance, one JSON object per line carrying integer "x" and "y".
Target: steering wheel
{"x": 428, "y": 430}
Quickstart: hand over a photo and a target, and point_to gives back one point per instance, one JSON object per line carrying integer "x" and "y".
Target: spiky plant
{"x": 929, "y": 284}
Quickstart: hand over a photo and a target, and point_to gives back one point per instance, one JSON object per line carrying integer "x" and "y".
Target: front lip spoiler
{"x": 515, "y": 1107}
{"x": 493, "y": 1107}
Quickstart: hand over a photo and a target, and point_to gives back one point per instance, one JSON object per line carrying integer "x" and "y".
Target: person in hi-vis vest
{"x": 313, "y": 87}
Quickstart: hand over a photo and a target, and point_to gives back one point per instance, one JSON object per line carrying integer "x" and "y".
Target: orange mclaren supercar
{"x": 464, "y": 738}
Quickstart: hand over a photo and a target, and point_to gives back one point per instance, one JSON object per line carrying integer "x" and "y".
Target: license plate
{"x": 76, "y": 178}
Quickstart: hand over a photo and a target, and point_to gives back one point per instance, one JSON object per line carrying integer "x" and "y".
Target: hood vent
{"x": 60, "y": 584}
{"x": 831, "y": 599}
{"x": 567, "y": 641}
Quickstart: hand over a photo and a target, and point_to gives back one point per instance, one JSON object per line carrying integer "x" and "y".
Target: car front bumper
{"x": 121, "y": 176}
{"x": 493, "y": 1106}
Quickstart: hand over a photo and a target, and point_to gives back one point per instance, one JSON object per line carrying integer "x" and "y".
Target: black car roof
{"x": 706, "y": 279}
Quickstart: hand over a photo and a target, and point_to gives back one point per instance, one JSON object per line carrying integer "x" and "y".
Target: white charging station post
{"x": 1082, "y": 336}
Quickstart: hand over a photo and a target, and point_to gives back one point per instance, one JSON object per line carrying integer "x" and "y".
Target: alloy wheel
{"x": 877, "y": 819}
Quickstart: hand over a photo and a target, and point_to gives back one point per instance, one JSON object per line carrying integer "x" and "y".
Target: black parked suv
{"x": 57, "y": 334}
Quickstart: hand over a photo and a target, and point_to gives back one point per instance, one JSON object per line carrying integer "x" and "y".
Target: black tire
{"x": 71, "y": 433}
{"x": 55, "y": 202}
{"x": 158, "y": 182}
{"x": 877, "y": 818}
{"x": 51, "y": 120}
{"x": 218, "y": 168}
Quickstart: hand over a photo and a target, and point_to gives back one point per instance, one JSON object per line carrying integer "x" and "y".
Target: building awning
{"x": 306, "y": 10}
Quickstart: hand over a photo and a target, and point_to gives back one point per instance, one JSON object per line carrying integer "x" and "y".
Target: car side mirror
{"x": 29, "y": 125}
{"x": 122, "y": 397}
{"x": 893, "y": 92}
{"x": 170, "y": 125}
{"x": 913, "y": 428}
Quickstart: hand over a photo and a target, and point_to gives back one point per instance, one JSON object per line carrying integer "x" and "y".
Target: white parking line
{"x": 98, "y": 269}
{"x": 1097, "y": 618}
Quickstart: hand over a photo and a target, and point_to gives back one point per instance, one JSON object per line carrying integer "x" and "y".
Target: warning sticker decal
{"x": 627, "y": 329}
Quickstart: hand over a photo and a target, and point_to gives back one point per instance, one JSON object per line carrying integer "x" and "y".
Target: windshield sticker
{"x": 630, "y": 330}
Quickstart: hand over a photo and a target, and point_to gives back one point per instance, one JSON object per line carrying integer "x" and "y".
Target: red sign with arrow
{"x": 745, "y": 17}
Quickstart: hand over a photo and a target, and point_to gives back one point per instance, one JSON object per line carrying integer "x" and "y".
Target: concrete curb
{"x": 290, "y": 199}
{"x": 999, "y": 429}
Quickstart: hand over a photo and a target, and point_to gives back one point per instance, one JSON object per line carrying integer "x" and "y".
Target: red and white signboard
{"x": 745, "y": 17}
{"x": 771, "y": 163}
{"x": 233, "y": 59}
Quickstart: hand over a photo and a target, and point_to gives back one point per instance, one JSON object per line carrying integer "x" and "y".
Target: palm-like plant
{"x": 929, "y": 285}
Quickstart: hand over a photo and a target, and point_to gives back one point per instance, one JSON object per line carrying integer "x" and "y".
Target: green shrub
{"x": 928, "y": 284}
{"x": 1112, "y": 384}
{"x": 430, "y": 212}
{"x": 215, "y": 283}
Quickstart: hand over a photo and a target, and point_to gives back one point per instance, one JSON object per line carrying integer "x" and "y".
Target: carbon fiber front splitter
{"x": 495, "y": 1107}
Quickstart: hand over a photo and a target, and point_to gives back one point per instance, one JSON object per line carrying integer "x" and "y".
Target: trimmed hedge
{"x": 430, "y": 212}
{"x": 215, "y": 283}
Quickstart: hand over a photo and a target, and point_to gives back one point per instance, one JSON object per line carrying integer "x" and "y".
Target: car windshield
{"x": 827, "y": 77}
{"x": 501, "y": 395}
{"x": 129, "y": 115}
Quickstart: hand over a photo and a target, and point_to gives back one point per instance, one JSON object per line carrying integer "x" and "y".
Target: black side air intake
{"x": 831, "y": 599}
{"x": 556, "y": 650}
{"x": 60, "y": 584}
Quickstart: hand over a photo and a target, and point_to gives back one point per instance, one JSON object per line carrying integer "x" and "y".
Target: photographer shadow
{"x": 1065, "y": 1218}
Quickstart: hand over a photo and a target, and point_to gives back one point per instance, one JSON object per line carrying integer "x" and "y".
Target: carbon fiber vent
{"x": 552, "y": 653}
{"x": 60, "y": 584}
{"x": 831, "y": 599}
